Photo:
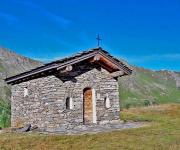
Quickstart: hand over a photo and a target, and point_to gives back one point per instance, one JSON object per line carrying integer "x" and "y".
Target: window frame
{"x": 69, "y": 103}
{"x": 107, "y": 102}
{"x": 26, "y": 92}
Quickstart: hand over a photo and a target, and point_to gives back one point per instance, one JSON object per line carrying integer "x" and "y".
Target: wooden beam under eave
{"x": 109, "y": 63}
{"x": 104, "y": 66}
{"x": 104, "y": 62}
{"x": 66, "y": 69}
{"x": 96, "y": 58}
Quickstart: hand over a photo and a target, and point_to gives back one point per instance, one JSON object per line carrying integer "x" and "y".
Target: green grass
{"x": 5, "y": 114}
{"x": 161, "y": 133}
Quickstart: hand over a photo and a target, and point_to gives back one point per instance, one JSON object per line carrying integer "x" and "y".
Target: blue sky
{"x": 145, "y": 33}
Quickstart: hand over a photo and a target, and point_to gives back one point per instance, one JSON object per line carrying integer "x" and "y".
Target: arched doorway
{"x": 88, "y": 106}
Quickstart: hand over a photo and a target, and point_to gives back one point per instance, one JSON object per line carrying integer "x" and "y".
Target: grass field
{"x": 162, "y": 133}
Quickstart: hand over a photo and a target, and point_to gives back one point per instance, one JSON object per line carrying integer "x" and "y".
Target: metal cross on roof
{"x": 98, "y": 39}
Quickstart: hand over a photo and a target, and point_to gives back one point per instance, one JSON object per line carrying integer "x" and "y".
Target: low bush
{"x": 147, "y": 102}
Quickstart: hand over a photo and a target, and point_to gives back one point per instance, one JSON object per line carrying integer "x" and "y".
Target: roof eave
{"x": 55, "y": 65}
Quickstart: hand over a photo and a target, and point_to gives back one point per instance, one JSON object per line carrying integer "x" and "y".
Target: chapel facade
{"x": 74, "y": 91}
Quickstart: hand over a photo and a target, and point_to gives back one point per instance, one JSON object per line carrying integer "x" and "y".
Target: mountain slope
{"x": 146, "y": 87}
{"x": 10, "y": 64}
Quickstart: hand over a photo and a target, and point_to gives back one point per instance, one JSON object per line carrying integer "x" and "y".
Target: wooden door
{"x": 88, "y": 107}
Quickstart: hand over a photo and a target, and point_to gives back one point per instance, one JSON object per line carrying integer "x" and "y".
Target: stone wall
{"x": 45, "y": 105}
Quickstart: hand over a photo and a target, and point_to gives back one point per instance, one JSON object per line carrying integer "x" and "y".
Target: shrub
{"x": 4, "y": 119}
{"x": 5, "y": 113}
{"x": 147, "y": 102}
{"x": 127, "y": 106}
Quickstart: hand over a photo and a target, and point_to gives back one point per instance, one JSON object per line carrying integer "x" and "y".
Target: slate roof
{"x": 69, "y": 61}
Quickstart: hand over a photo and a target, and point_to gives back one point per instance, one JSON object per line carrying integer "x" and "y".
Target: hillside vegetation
{"x": 161, "y": 133}
{"x": 146, "y": 87}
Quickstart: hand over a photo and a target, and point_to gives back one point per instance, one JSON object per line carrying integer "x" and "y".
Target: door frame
{"x": 93, "y": 104}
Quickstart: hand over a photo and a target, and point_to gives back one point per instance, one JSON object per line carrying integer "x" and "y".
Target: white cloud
{"x": 130, "y": 59}
{"x": 155, "y": 57}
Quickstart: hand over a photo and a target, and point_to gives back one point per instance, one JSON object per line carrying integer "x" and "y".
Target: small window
{"x": 107, "y": 101}
{"x": 25, "y": 92}
{"x": 69, "y": 103}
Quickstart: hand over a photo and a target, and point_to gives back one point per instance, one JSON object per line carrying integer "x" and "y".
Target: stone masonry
{"x": 45, "y": 104}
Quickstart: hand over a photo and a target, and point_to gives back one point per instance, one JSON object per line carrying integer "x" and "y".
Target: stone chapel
{"x": 74, "y": 91}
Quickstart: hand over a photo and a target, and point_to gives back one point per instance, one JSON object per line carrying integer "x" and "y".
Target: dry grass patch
{"x": 163, "y": 134}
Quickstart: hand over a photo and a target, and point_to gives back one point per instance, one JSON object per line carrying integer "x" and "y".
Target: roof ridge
{"x": 76, "y": 54}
